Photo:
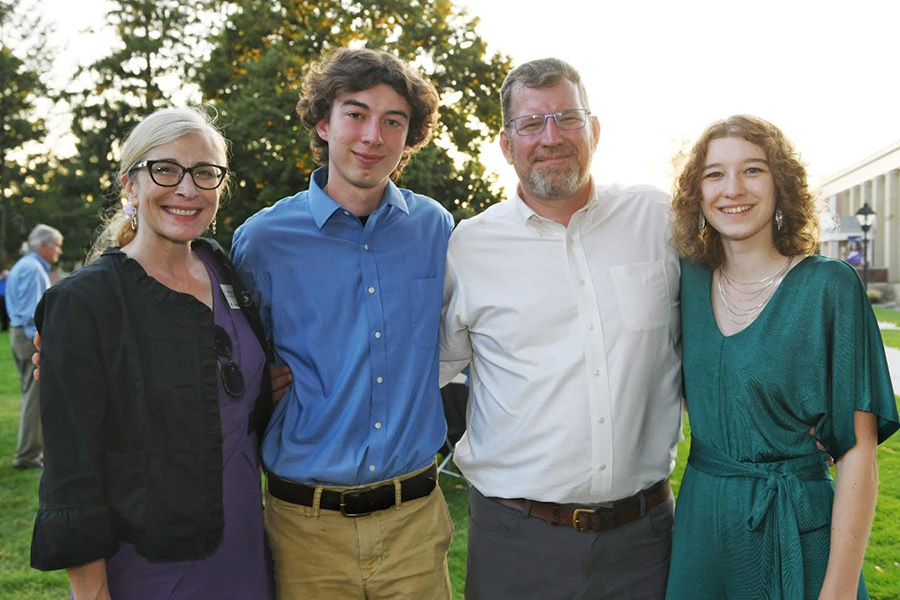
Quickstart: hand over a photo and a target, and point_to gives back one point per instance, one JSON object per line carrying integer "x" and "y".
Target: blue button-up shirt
{"x": 28, "y": 280}
{"x": 354, "y": 311}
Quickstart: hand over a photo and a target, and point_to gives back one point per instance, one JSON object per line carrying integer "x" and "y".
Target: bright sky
{"x": 658, "y": 72}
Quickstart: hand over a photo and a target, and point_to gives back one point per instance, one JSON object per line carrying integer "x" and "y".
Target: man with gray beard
{"x": 563, "y": 302}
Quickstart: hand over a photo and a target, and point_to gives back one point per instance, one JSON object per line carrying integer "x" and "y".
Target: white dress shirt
{"x": 573, "y": 336}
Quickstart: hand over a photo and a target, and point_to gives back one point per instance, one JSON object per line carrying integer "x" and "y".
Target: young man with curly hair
{"x": 348, "y": 276}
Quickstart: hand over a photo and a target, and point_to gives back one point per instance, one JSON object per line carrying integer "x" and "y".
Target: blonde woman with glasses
{"x": 152, "y": 391}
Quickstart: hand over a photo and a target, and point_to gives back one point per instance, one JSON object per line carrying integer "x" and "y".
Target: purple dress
{"x": 241, "y": 566}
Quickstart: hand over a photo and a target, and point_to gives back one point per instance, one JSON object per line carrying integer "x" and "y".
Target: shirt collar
{"x": 323, "y": 206}
{"x": 43, "y": 262}
{"x": 585, "y": 215}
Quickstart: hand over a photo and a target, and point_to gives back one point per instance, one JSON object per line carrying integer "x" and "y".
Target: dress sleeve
{"x": 856, "y": 371}
{"x": 74, "y": 522}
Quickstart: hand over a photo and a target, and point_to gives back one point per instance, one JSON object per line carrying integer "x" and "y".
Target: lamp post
{"x": 865, "y": 216}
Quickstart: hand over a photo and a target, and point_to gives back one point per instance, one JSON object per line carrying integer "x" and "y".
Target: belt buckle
{"x": 355, "y": 492}
{"x": 577, "y": 514}
{"x": 607, "y": 518}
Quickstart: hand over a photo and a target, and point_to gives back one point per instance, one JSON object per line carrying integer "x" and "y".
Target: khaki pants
{"x": 397, "y": 553}
{"x": 30, "y": 447}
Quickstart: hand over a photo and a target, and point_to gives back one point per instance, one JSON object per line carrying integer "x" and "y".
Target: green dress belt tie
{"x": 781, "y": 509}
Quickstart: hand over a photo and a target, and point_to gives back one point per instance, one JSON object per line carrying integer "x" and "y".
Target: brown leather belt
{"x": 358, "y": 501}
{"x": 589, "y": 518}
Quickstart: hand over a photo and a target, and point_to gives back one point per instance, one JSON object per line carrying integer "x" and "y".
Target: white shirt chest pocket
{"x": 643, "y": 295}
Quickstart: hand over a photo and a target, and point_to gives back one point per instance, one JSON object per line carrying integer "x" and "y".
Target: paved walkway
{"x": 893, "y": 358}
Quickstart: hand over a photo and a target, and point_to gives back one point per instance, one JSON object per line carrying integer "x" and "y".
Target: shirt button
{"x": 379, "y": 379}
{"x": 371, "y": 290}
{"x": 602, "y": 468}
{"x": 371, "y": 467}
{"x": 596, "y": 372}
{"x": 347, "y": 213}
{"x": 591, "y": 327}
{"x": 377, "y": 425}
{"x": 377, "y": 335}
{"x": 602, "y": 420}
{"x": 581, "y": 282}
{"x": 365, "y": 247}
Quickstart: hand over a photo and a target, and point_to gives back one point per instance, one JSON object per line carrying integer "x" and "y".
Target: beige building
{"x": 876, "y": 181}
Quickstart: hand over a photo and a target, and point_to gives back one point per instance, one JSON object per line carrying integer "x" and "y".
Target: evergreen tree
{"x": 24, "y": 56}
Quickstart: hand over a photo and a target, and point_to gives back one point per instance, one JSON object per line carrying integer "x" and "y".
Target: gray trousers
{"x": 31, "y": 440}
{"x": 514, "y": 555}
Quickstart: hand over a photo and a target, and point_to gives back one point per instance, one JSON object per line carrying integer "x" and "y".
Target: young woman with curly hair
{"x": 777, "y": 342}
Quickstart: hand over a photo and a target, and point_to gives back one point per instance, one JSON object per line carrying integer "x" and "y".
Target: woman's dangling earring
{"x": 131, "y": 210}
{"x": 702, "y": 223}
{"x": 779, "y": 219}
{"x": 212, "y": 226}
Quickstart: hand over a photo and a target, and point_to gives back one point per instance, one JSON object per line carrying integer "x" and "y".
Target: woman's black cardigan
{"x": 130, "y": 413}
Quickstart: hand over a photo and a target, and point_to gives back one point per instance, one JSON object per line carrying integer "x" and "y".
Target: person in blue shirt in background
{"x": 28, "y": 280}
{"x": 348, "y": 276}
{"x": 4, "y": 316}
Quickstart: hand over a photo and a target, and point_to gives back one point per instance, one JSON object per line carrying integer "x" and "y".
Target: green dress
{"x": 753, "y": 515}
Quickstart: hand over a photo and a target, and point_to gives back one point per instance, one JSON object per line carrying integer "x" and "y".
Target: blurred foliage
{"x": 158, "y": 43}
{"x": 24, "y": 58}
{"x": 243, "y": 59}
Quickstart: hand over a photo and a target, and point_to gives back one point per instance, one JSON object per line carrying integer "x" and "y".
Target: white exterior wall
{"x": 875, "y": 180}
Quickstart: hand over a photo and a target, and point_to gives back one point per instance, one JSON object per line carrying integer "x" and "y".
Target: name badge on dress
{"x": 228, "y": 290}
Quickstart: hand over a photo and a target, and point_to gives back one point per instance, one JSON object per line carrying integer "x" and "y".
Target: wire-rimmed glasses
{"x": 573, "y": 118}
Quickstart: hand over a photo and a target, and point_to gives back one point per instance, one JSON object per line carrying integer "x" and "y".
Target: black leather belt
{"x": 358, "y": 501}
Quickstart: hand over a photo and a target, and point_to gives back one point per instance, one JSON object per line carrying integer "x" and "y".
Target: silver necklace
{"x": 740, "y": 297}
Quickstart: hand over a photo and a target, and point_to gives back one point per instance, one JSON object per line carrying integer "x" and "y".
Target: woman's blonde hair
{"x": 161, "y": 127}
{"x": 799, "y": 233}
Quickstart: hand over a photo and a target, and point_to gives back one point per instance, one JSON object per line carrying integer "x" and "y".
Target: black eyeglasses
{"x": 574, "y": 118}
{"x": 232, "y": 378}
{"x": 167, "y": 173}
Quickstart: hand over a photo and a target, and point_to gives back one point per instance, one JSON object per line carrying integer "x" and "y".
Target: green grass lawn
{"x": 887, "y": 315}
{"x": 891, "y": 337}
{"x": 18, "y": 499}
